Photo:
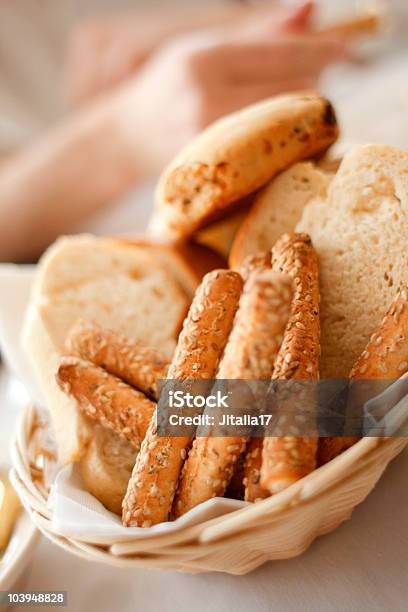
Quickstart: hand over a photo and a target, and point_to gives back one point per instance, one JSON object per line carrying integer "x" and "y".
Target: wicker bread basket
{"x": 279, "y": 527}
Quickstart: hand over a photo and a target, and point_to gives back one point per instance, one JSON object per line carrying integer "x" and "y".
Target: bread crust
{"x": 250, "y": 354}
{"x": 289, "y": 458}
{"x": 201, "y": 344}
{"x": 106, "y": 399}
{"x": 139, "y": 366}
{"x": 237, "y": 155}
{"x": 384, "y": 359}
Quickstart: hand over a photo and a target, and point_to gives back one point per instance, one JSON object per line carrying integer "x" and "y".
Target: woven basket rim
{"x": 204, "y": 536}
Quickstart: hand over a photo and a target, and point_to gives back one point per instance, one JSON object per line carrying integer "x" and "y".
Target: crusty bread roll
{"x": 277, "y": 209}
{"x": 360, "y": 232}
{"x": 116, "y": 284}
{"x": 237, "y": 155}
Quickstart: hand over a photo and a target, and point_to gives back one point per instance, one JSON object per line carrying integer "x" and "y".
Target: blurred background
{"x": 97, "y": 95}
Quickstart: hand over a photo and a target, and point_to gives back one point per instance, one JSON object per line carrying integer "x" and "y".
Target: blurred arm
{"x": 49, "y": 187}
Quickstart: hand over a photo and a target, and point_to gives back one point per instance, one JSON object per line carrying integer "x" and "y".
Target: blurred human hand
{"x": 101, "y": 151}
{"x": 103, "y": 52}
{"x": 195, "y": 79}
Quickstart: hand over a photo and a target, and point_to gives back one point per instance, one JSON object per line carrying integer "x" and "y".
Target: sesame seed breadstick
{"x": 200, "y": 346}
{"x": 253, "y": 454}
{"x": 260, "y": 261}
{"x": 298, "y": 358}
{"x": 386, "y": 354}
{"x": 252, "y": 471}
{"x": 287, "y": 459}
{"x": 384, "y": 359}
{"x": 106, "y": 399}
{"x": 250, "y": 354}
{"x": 139, "y": 366}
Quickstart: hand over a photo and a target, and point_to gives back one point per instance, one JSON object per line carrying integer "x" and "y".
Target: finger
{"x": 257, "y": 61}
{"x": 255, "y": 21}
{"x": 300, "y": 19}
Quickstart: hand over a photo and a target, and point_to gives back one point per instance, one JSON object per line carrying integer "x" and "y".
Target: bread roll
{"x": 237, "y": 155}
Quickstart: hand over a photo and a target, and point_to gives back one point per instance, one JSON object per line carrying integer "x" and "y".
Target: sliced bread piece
{"x": 360, "y": 232}
{"x": 187, "y": 262}
{"x": 277, "y": 209}
{"x": 237, "y": 155}
{"x": 114, "y": 284}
